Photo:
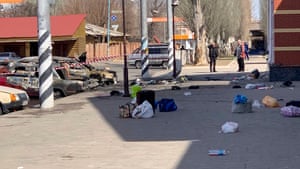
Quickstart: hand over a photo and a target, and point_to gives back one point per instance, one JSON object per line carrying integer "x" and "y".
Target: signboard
{"x": 114, "y": 18}
{"x": 11, "y": 1}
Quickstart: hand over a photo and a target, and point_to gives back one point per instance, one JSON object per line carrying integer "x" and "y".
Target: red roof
{"x": 26, "y": 27}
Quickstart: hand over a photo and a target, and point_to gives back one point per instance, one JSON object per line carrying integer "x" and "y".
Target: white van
{"x": 157, "y": 56}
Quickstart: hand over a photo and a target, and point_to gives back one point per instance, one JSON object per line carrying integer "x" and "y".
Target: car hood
{"x": 10, "y": 90}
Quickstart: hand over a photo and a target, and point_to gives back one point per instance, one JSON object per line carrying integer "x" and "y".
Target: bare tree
{"x": 264, "y": 19}
{"x": 157, "y": 9}
{"x": 215, "y": 20}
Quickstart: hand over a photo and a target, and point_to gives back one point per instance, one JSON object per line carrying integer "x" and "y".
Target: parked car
{"x": 6, "y": 60}
{"x": 12, "y": 99}
{"x": 8, "y": 56}
{"x": 157, "y": 56}
{"x": 25, "y": 74}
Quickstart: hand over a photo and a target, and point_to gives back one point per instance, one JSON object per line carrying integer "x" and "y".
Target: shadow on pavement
{"x": 263, "y": 133}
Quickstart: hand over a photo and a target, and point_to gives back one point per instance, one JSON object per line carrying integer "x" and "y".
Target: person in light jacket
{"x": 240, "y": 55}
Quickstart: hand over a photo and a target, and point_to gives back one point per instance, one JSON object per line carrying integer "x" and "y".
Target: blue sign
{"x": 114, "y": 18}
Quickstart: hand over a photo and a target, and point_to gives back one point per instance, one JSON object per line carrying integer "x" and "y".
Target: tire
{"x": 58, "y": 94}
{"x": 165, "y": 65}
{"x": 138, "y": 64}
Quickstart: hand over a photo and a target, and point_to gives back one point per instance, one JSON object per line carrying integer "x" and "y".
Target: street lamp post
{"x": 174, "y": 4}
{"x": 125, "y": 71}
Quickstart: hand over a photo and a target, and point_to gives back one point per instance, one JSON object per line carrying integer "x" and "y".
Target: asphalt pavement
{"x": 84, "y": 131}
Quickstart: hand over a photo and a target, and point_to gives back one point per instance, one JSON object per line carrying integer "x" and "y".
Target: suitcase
{"x": 148, "y": 95}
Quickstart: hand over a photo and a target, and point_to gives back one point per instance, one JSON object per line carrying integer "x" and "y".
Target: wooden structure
{"x": 19, "y": 35}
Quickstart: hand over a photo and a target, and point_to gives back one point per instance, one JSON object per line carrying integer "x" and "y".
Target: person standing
{"x": 246, "y": 46}
{"x": 212, "y": 54}
{"x": 238, "y": 52}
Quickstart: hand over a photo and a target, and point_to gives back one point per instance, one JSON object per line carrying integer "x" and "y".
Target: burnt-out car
{"x": 25, "y": 74}
{"x": 79, "y": 69}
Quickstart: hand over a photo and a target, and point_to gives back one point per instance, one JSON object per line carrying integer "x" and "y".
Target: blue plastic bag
{"x": 166, "y": 105}
{"x": 240, "y": 99}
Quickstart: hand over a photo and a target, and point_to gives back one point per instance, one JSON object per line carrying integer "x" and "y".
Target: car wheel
{"x": 165, "y": 65}
{"x": 58, "y": 94}
{"x": 138, "y": 64}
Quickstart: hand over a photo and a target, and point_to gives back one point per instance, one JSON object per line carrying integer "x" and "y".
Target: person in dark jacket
{"x": 213, "y": 54}
{"x": 238, "y": 52}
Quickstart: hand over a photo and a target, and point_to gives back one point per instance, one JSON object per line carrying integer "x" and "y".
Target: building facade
{"x": 20, "y": 35}
{"x": 285, "y": 63}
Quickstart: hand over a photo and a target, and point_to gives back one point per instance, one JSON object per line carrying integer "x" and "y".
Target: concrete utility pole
{"x": 108, "y": 27}
{"x": 170, "y": 35}
{"x": 125, "y": 71}
{"x": 144, "y": 39}
{"x": 45, "y": 56}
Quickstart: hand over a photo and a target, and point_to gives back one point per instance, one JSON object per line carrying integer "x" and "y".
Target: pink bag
{"x": 290, "y": 111}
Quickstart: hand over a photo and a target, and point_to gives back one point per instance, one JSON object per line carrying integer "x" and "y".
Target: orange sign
{"x": 11, "y": 1}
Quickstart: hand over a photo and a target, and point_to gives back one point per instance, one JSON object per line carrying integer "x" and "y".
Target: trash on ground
{"x": 187, "y": 93}
{"x": 116, "y": 93}
{"x": 255, "y": 74}
{"x": 217, "y": 152}
{"x": 183, "y": 79}
{"x": 126, "y": 110}
{"x": 236, "y": 86}
{"x": 175, "y": 88}
{"x": 287, "y": 84}
{"x": 143, "y": 111}
{"x": 242, "y": 107}
{"x": 270, "y": 102}
{"x": 254, "y": 86}
{"x": 134, "y": 89}
{"x": 256, "y": 104}
{"x": 240, "y": 99}
{"x": 230, "y": 127}
{"x": 290, "y": 111}
{"x": 194, "y": 87}
{"x": 293, "y": 103}
{"x": 266, "y": 87}
{"x": 166, "y": 105}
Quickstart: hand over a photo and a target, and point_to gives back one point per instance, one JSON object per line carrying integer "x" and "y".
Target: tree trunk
{"x": 200, "y": 49}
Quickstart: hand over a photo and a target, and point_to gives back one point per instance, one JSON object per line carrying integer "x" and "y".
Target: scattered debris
{"x": 271, "y": 102}
{"x": 287, "y": 84}
{"x": 218, "y": 152}
{"x": 236, "y": 86}
{"x": 241, "y": 104}
{"x": 257, "y": 104}
{"x": 194, "y": 87}
{"x": 293, "y": 103}
{"x": 116, "y": 93}
{"x": 290, "y": 111}
{"x": 230, "y": 127}
{"x": 175, "y": 88}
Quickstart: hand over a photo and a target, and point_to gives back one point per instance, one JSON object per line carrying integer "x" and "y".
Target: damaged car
{"x": 85, "y": 69}
{"x": 25, "y": 75}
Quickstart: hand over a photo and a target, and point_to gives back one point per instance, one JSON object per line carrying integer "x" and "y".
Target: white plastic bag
{"x": 230, "y": 127}
{"x": 256, "y": 104}
{"x": 143, "y": 110}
